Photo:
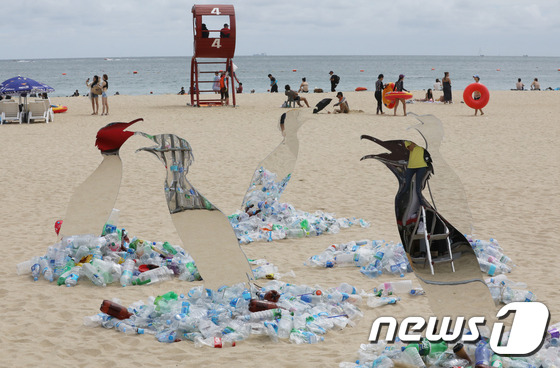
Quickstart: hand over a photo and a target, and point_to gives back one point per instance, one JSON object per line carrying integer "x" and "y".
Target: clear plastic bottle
{"x": 298, "y": 336}
{"x": 46, "y": 270}
{"x": 262, "y": 315}
{"x": 126, "y": 276}
{"x": 374, "y": 301}
{"x": 152, "y": 276}
{"x": 36, "y": 270}
{"x": 285, "y": 325}
{"x": 214, "y": 342}
{"x": 482, "y": 355}
{"x": 414, "y": 357}
{"x": 72, "y": 278}
{"x": 93, "y": 274}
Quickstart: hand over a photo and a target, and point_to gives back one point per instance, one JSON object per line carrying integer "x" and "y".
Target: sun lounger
{"x": 9, "y": 112}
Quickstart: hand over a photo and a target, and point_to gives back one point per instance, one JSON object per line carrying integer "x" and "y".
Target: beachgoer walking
{"x": 273, "y": 84}
{"x": 399, "y": 87}
{"x": 93, "y": 96}
{"x": 446, "y": 81}
{"x": 379, "y": 86}
{"x": 335, "y": 79}
{"x": 477, "y": 95}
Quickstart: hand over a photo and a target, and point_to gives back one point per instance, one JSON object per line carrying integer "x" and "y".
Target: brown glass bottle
{"x": 115, "y": 310}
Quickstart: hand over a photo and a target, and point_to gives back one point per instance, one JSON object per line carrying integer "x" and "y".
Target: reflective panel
{"x": 92, "y": 202}
{"x": 447, "y": 192}
{"x": 439, "y": 253}
{"x": 205, "y": 231}
{"x": 277, "y": 167}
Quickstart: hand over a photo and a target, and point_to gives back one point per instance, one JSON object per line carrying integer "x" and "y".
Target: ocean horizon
{"x": 167, "y": 74}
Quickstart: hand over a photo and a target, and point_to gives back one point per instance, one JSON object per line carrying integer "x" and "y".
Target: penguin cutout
{"x": 451, "y": 282}
{"x": 204, "y": 230}
{"x": 92, "y": 202}
{"x": 275, "y": 168}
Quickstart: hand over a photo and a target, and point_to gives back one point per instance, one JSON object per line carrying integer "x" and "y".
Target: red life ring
{"x": 389, "y": 88}
{"x": 392, "y": 96}
{"x": 468, "y": 96}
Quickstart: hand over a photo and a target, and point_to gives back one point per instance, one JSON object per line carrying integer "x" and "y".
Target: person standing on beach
{"x": 224, "y": 95}
{"x": 399, "y": 87}
{"x": 104, "y": 103}
{"x": 379, "y": 86}
{"x": 273, "y": 84}
{"x": 446, "y": 81}
{"x": 216, "y": 86}
{"x": 93, "y": 96}
{"x": 335, "y": 79}
{"x": 477, "y": 95}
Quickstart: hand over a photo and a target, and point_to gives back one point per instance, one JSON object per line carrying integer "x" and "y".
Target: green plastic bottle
{"x": 425, "y": 347}
{"x": 496, "y": 361}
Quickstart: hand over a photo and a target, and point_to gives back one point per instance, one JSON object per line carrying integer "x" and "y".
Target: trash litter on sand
{"x": 114, "y": 258}
{"x": 267, "y": 219}
{"x": 298, "y": 313}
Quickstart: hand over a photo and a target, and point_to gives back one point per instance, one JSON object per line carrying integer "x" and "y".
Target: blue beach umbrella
{"x": 21, "y": 86}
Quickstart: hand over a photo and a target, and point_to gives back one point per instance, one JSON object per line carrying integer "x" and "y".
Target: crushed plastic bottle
{"x": 200, "y": 315}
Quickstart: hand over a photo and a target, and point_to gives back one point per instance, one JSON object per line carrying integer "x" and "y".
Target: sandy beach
{"x": 507, "y": 161}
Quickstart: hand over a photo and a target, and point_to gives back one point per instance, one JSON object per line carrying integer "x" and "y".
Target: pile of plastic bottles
{"x": 114, "y": 258}
{"x": 439, "y": 354}
{"x": 506, "y": 291}
{"x": 267, "y": 219}
{"x": 374, "y": 257}
{"x": 298, "y": 313}
{"x": 491, "y": 257}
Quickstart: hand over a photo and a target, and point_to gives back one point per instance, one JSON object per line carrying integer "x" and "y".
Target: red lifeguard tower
{"x": 214, "y": 47}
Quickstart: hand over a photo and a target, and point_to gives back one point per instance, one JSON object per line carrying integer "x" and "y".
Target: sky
{"x": 33, "y": 29}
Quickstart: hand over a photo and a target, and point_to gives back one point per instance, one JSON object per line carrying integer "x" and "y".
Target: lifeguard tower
{"x": 214, "y": 47}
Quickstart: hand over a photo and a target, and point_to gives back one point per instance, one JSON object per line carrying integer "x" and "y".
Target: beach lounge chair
{"x": 9, "y": 111}
{"x": 37, "y": 111}
{"x": 48, "y": 107}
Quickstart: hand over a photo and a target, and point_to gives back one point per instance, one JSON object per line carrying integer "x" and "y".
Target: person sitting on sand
{"x": 519, "y": 86}
{"x": 535, "y": 86}
{"x": 437, "y": 85}
{"x": 304, "y": 86}
{"x": 428, "y": 98}
{"x": 293, "y": 95}
{"x": 344, "y": 108}
{"x": 182, "y": 91}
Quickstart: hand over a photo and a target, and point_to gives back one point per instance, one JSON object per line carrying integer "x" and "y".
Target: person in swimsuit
{"x": 477, "y": 95}
{"x": 399, "y": 87}
{"x": 94, "y": 97}
{"x": 104, "y": 103}
{"x": 304, "y": 86}
{"x": 344, "y": 108}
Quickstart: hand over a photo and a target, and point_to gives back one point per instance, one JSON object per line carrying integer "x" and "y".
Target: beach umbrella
{"x": 322, "y": 104}
{"x": 21, "y": 86}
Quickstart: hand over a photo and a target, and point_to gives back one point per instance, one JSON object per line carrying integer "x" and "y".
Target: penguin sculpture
{"x": 279, "y": 165}
{"x": 435, "y": 246}
{"x": 204, "y": 230}
{"x": 92, "y": 202}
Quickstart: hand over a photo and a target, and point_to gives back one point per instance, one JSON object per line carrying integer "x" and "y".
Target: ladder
{"x": 420, "y": 233}
{"x": 202, "y": 80}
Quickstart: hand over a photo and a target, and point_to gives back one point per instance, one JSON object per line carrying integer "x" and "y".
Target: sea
{"x": 166, "y": 75}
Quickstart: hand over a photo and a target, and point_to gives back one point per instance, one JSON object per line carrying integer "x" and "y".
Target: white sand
{"x": 508, "y": 161}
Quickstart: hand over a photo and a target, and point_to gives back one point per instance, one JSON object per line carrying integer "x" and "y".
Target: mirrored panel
{"x": 92, "y": 202}
{"x": 205, "y": 231}
{"x": 274, "y": 172}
